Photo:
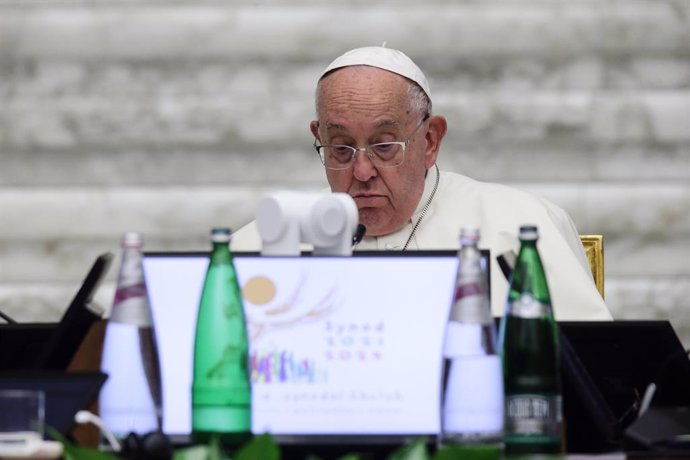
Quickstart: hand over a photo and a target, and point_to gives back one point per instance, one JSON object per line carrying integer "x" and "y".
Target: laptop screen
{"x": 343, "y": 345}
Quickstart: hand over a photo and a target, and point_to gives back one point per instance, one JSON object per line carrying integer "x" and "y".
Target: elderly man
{"x": 379, "y": 141}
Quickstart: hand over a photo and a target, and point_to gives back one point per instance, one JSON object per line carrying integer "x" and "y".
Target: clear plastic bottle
{"x": 528, "y": 342}
{"x": 473, "y": 385}
{"x": 221, "y": 393}
{"x": 130, "y": 400}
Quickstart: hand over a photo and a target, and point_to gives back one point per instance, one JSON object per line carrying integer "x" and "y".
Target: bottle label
{"x": 529, "y": 307}
{"x": 532, "y": 414}
{"x": 467, "y": 290}
{"x": 131, "y": 306}
{"x": 471, "y": 304}
{"x": 131, "y": 303}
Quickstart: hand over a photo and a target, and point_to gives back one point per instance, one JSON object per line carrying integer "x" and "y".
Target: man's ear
{"x": 434, "y": 135}
{"x": 314, "y": 127}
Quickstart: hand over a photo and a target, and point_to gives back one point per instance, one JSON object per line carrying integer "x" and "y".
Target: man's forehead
{"x": 365, "y": 91}
{"x": 363, "y": 97}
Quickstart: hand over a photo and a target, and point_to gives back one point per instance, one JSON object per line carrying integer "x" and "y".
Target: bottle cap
{"x": 529, "y": 232}
{"x": 469, "y": 234}
{"x": 132, "y": 239}
{"x": 220, "y": 234}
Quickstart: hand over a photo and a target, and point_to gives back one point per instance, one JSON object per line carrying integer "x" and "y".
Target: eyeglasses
{"x": 382, "y": 155}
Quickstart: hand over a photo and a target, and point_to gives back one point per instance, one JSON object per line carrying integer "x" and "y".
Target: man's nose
{"x": 363, "y": 168}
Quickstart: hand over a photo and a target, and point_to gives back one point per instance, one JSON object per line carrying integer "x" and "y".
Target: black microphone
{"x": 7, "y": 318}
{"x": 359, "y": 234}
{"x": 506, "y": 262}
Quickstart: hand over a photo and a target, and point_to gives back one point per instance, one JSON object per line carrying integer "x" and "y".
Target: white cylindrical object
{"x": 331, "y": 224}
{"x": 278, "y": 220}
{"x": 287, "y": 219}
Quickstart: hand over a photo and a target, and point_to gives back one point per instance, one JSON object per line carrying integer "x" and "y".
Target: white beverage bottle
{"x": 130, "y": 400}
{"x": 473, "y": 398}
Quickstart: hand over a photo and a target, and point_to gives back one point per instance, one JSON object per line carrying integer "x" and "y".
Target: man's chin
{"x": 376, "y": 224}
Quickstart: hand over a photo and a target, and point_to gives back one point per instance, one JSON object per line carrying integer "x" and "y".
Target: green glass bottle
{"x": 221, "y": 392}
{"x": 528, "y": 343}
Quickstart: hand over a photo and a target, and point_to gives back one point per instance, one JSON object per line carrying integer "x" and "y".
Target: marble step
{"x": 169, "y": 30}
{"x": 81, "y": 109}
{"x": 266, "y": 166}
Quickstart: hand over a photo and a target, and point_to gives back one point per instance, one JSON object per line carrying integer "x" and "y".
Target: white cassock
{"x": 498, "y": 211}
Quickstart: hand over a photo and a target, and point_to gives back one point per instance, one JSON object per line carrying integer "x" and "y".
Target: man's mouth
{"x": 367, "y": 199}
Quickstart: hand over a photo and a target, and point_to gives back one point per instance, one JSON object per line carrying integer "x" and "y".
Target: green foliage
{"x": 261, "y": 447}
{"x": 413, "y": 450}
{"x": 469, "y": 452}
{"x": 264, "y": 447}
{"x": 192, "y": 453}
{"x": 74, "y": 452}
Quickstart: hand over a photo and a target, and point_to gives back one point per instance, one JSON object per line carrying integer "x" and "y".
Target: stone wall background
{"x": 169, "y": 117}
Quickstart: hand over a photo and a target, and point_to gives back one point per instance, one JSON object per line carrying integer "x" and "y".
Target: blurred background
{"x": 169, "y": 117}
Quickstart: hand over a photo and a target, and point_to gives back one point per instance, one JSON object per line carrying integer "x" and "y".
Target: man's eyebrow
{"x": 388, "y": 123}
{"x": 335, "y": 126}
{"x": 383, "y": 124}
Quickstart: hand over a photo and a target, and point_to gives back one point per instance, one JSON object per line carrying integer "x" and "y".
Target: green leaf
{"x": 414, "y": 450}
{"x": 261, "y": 447}
{"x": 73, "y": 452}
{"x": 211, "y": 451}
{"x": 468, "y": 452}
{"x": 216, "y": 450}
{"x": 192, "y": 453}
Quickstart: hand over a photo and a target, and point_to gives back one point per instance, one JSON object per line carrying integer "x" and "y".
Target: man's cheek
{"x": 339, "y": 182}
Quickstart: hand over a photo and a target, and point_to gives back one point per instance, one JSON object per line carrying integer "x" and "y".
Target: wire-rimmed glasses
{"x": 382, "y": 154}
